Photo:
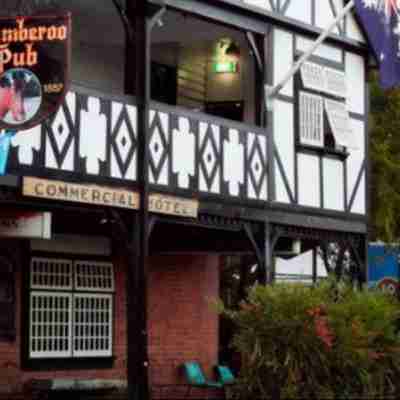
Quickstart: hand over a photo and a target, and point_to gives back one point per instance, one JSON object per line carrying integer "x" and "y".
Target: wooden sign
{"x": 80, "y": 193}
{"x": 34, "y": 68}
{"x": 107, "y": 196}
{"x": 170, "y": 205}
{"x": 19, "y": 224}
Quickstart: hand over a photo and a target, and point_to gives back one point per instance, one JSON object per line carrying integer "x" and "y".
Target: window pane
{"x": 93, "y": 325}
{"x": 94, "y": 276}
{"x": 51, "y": 273}
{"x": 49, "y": 331}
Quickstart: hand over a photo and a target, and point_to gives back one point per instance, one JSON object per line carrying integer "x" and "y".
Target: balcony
{"x": 93, "y": 139}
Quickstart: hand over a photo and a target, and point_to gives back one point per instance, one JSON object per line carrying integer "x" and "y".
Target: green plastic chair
{"x": 195, "y": 378}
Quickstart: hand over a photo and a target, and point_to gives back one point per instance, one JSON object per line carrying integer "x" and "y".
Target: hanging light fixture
{"x": 226, "y": 57}
{"x": 233, "y": 50}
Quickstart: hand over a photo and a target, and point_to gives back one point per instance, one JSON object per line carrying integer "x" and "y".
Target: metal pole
{"x": 272, "y": 92}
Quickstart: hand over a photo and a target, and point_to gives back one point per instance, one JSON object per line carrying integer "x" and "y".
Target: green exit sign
{"x": 224, "y": 67}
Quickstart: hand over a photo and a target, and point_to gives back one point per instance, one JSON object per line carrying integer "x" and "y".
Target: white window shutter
{"x": 335, "y": 83}
{"x": 339, "y": 121}
{"x": 313, "y": 76}
{"x": 311, "y": 117}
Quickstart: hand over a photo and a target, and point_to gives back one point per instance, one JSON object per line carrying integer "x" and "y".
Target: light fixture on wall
{"x": 233, "y": 50}
{"x": 226, "y": 56}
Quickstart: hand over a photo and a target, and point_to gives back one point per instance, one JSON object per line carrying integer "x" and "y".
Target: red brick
{"x": 182, "y": 326}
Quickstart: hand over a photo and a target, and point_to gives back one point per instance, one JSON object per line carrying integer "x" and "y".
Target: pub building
{"x": 120, "y": 210}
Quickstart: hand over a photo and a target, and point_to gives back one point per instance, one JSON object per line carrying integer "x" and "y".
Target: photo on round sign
{"x": 20, "y": 96}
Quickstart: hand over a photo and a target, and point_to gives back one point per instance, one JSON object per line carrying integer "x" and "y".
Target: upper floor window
{"x": 71, "y": 308}
{"x": 204, "y": 66}
{"x": 323, "y": 119}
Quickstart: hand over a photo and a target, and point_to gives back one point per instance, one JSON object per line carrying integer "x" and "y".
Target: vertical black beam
{"x": 137, "y": 81}
{"x": 268, "y": 267}
{"x": 314, "y": 265}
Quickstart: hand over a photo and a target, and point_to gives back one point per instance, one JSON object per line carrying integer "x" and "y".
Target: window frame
{"x": 83, "y": 361}
{"x": 329, "y": 147}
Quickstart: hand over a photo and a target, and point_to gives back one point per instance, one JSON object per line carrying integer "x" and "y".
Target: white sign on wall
{"x": 19, "y": 224}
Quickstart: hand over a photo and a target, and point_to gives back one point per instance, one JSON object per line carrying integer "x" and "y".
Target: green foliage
{"x": 330, "y": 341}
{"x": 385, "y": 165}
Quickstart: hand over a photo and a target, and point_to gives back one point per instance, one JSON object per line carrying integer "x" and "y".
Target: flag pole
{"x": 272, "y": 92}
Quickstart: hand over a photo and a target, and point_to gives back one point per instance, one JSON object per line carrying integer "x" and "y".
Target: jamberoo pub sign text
{"x": 34, "y": 68}
{"x": 107, "y": 196}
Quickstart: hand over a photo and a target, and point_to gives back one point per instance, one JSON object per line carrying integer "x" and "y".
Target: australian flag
{"x": 381, "y": 22}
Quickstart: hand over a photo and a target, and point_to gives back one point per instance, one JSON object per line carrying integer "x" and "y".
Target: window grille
{"x": 339, "y": 121}
{"x": 335, "y": 82}
{"x": 311, "y": 119}
{"x": 92, "y": 325}
{"x": 50, "y": 324}
{"x": 313, "y": 76}
{"x": 51, "y": 273}
{"x": 94, "y": 276}
{"x": 65, "y": 320}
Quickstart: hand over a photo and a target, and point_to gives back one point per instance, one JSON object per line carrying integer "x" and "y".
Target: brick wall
{"x": 183, "y": 326}
{"x": 13, "y": 377}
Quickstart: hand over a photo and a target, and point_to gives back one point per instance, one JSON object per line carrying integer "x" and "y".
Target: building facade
{"x": 164, "y": 156}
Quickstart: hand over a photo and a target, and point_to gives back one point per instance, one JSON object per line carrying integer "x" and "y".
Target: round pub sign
{"x": 34, "y": 65}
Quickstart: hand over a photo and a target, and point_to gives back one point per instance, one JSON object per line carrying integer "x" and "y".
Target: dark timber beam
{"x": 137, "y": 82}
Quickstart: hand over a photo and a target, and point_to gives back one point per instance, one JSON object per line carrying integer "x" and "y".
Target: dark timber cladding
{"x": 138, "y": 57}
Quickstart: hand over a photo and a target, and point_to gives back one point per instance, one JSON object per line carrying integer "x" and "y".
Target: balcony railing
{"x": 93, "y": 138}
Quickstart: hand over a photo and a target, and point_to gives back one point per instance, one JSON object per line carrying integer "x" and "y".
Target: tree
{"x": 385, "y": 163}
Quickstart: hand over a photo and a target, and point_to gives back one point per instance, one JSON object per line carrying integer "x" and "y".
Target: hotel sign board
{"x": 107, "y": 196}
{"x": 34, "y": 68}
{"x": 18, "y": 224}
{"x": 80, "y": 193}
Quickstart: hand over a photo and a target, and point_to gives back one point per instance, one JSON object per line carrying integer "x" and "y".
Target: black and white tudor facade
{"x": 157, "y": 117}
{"x": 300, "y": 172}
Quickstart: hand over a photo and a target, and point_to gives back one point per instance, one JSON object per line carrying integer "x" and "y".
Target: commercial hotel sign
{"x": 107, "y": 196}
{"x": 34, "y": 64}
{"x": 78, "y": 193}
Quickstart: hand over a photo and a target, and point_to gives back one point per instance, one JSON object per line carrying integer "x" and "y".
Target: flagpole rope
{"x": 272, "y": 92}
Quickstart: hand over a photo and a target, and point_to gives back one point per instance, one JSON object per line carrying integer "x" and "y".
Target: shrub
{"x": 330, "y": 341}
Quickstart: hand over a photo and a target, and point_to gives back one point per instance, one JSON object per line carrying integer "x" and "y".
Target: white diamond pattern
{"x": 157, "y": 147}
{"x": 61, "y": 129}
{"x": 123, "y": 142}
{"x": 257, "y": 166}
{"x": 210, "y": 157}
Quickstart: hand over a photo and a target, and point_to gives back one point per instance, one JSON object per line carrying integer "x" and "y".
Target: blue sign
{"x": 383, "y": 267}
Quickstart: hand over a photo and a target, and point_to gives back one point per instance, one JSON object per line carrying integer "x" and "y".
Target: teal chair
{"x": 226, "y": 378}
{"x": 225, "y": 375}
{"x": 195, "y": 378}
